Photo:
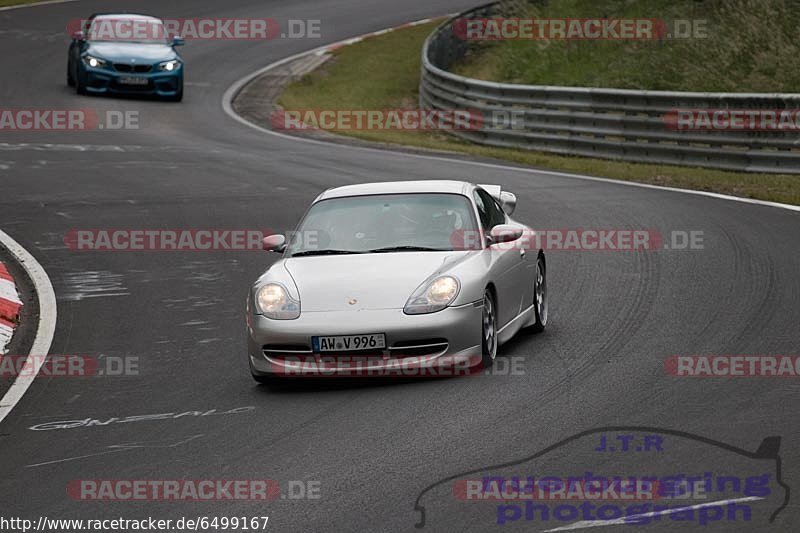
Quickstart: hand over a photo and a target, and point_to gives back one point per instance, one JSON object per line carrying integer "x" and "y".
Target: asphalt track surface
{"x": 373, "y": 447}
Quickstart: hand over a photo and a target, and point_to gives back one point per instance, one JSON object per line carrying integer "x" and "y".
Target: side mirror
{"x": 508, "y": 201}
{"x": 78, "y": 36}
{"x": 274, "y": 243}
{"x": 178, "y": 41}
{"x": 504, "y": 233}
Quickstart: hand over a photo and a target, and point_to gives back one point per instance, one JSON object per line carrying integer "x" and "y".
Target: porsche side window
{"x": 482, "y": 212}
{"x": 494, "y": 214}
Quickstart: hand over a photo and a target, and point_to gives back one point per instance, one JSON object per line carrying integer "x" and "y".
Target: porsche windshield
{"x": 383, "y": 223}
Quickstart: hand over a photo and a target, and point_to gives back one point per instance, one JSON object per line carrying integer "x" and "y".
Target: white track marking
{"x": 44, "y": 330}
{"x": 600, "y": 523}
{"x": 114, "y": 448}
{"x": 233, "y": 90}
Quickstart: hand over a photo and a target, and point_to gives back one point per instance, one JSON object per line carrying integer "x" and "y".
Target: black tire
{"x": 488, "y": 329}
{"x": 540, "y": 295}
{"x": 80, "y": 88}
{"x": 70, "y": 79}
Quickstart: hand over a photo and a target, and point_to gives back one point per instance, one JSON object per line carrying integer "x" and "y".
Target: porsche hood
{"x": 362, "y": 282}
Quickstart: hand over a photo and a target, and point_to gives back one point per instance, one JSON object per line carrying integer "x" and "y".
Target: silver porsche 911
{"x": 413, "y": 275}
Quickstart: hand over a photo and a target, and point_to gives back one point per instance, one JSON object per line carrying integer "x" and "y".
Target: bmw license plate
{"x": 133, "y": 80}
{"x": 339, "y": 343}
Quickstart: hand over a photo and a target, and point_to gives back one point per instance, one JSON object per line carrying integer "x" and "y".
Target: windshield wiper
{"x": 325, "y": 252}
{"x": 407, "y": 249}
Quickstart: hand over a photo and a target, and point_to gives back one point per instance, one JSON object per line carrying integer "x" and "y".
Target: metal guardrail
{"x": 618, "y": 124}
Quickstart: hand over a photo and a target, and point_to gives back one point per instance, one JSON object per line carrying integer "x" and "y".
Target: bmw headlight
{"x": 274, "y": 302}
{"x": 94, "y": 62}
{"x": 432, "y": 297}
{"x": 169, "y": 66}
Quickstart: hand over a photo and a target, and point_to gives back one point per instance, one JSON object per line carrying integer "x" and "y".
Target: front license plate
{"x": 133, "y": 80}
{"x": 338, "y": 343}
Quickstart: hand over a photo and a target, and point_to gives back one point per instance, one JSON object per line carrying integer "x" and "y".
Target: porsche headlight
{"x": 169, "y": 66}
{"x": 432, "y": 297}
{"x": 274, "y": 302}
{"x": 94, "y": 62}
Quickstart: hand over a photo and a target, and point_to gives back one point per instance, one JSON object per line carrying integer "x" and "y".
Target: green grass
{"x": 383, "y": 73}
{"x": 4, "y": 3}
{"x": 750, "y": 46}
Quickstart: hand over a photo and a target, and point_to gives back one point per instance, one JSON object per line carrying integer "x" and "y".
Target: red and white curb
{"x": 45, "y": 326}
{"x": 9, "y": 308}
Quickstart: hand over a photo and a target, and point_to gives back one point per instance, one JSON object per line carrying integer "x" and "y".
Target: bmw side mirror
{"x": 274, "y": 243}
{"x": 178, "y": 41}
{"x": 504, "y": 233}
{"x": 508, "y": 201}
{"x": 78, "y": 36}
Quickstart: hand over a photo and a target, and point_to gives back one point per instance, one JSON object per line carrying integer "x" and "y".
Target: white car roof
{"x": 127, "y": 16}
{"x": 398, "y": 187}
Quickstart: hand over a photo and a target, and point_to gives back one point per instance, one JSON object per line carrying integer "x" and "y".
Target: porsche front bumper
{"x": 443, "y": 343}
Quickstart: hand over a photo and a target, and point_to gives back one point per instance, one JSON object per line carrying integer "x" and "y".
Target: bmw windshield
{"x": 128, "y": 30}
{"x": 383, "y": 223}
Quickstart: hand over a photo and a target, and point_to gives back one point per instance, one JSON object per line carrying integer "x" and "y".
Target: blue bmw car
{"x": 125, "y": 54}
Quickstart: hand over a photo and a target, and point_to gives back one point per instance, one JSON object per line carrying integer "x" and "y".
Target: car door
{"x": 507, "y": 267}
